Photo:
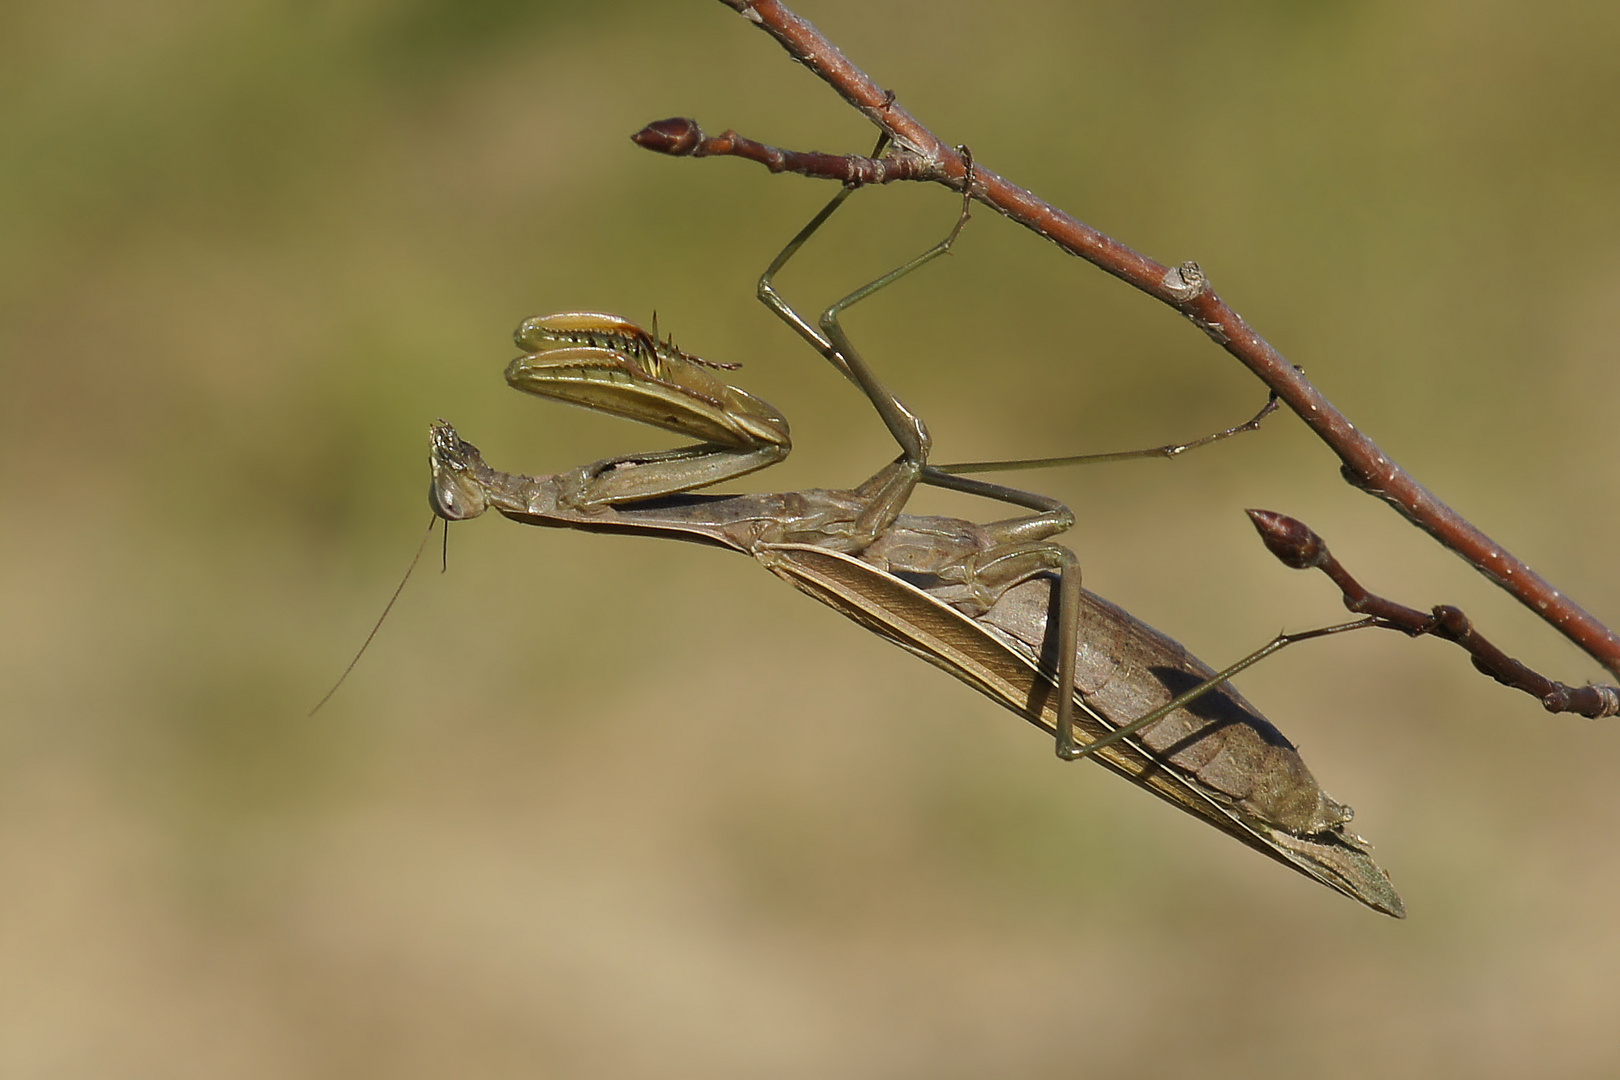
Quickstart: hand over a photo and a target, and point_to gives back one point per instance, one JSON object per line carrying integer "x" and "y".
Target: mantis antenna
{"x": 421, "y": 547}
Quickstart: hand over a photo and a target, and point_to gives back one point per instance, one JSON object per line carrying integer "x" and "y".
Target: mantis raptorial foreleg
{"x": 973, "y": 598}
{"x": 1219, "y": 760}
{"x": 609, "y": 364}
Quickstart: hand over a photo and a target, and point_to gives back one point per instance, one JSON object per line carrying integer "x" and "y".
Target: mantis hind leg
{"x": 1024, "y": 550}
{"x": 1023, "y": 554}
{"x": 1056, "y": 518}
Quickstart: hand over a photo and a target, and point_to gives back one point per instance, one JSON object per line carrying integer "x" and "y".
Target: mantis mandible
{"x": 990, "y": 603}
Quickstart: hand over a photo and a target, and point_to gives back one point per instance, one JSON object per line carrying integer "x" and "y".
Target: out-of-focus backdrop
{"x": 606, "y": 807}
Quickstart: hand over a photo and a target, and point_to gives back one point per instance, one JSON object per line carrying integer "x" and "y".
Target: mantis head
{"x": 455, "y": 492}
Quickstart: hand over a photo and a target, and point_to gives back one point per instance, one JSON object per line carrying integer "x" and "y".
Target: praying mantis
{"x": 999, "y": 605}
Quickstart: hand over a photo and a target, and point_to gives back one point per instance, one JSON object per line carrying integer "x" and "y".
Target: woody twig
{"x": 1297, "y": 546}
{"x": 916, "y": 153}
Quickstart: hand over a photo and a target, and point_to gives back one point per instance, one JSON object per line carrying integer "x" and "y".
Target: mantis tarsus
{"x": 977, "y": 600}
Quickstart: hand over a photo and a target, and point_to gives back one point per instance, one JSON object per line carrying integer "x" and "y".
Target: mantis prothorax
{"x": 974, "y": 599}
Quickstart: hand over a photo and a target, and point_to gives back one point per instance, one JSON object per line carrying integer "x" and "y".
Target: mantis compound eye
{"x": 455, "y": 502}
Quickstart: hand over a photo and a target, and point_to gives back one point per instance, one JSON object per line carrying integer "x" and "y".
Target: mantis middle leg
{"x": 1025, "y": 549}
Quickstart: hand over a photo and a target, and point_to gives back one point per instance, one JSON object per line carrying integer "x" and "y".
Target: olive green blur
{"x": 596, "y": 806}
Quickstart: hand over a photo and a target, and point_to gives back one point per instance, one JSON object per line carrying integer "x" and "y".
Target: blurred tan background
{"x": 606, "y": 807}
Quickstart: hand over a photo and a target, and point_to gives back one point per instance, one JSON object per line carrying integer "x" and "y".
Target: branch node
{"x": 1186, "y": 282}
{"x": 967, "y": 169}
{"x": 1186, "y": 285}
{"x": 1452, "y": 624}
{"x": 1593, "y": 702}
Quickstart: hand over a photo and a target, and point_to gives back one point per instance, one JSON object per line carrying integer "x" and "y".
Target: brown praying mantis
{"x": 999, "y": 605}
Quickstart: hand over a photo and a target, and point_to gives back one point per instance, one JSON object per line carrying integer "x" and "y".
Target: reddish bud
{"x": 677, "y": 136}
{"x": 1290, "y": 539}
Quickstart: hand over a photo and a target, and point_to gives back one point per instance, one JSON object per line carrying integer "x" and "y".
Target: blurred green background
{"x": 606, "y": 807}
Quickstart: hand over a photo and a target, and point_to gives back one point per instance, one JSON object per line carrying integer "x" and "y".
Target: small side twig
{"x": 681, "y": 137}
{"x": 1297, "y": 546}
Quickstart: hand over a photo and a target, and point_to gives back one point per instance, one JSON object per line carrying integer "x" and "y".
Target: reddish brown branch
{"x": 1185, "y": 289}
{"x": 680, "y": 137}
{"x": 1297, "y": 546}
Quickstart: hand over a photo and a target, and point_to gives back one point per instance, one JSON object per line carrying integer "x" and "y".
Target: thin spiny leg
{"x": 1169, "y": 450}
{"x": 902, "y": 423}
{"x": 833, "y": 343}
{"x": 1067, "y": 613}
{"x": 909, "y": 431}
{"x": 766, "y": 290}
{"x": 889, "y": 498}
